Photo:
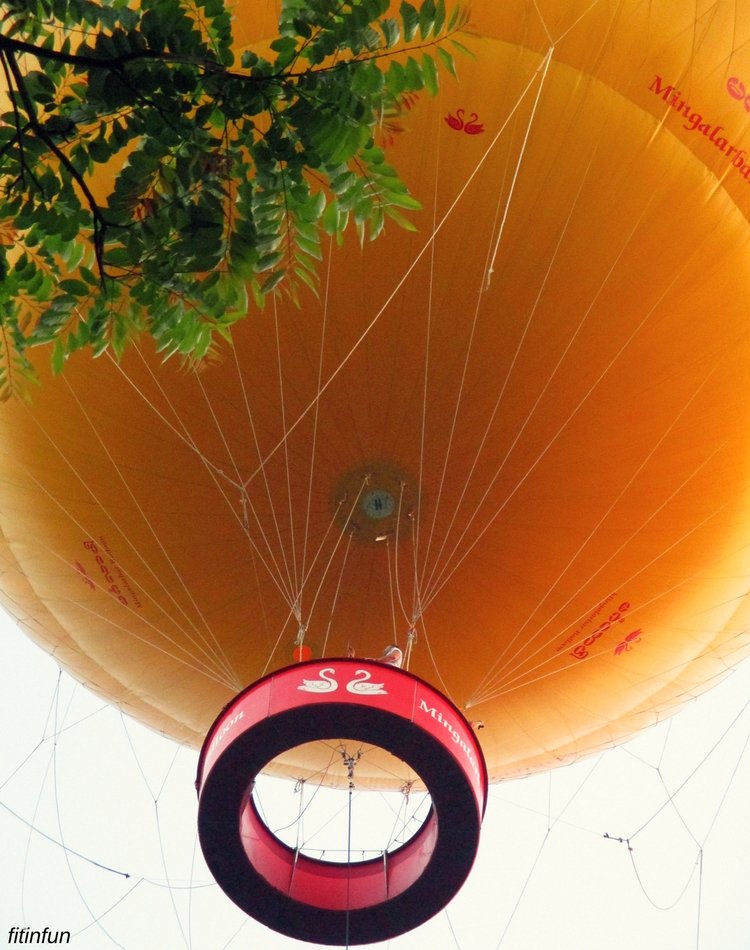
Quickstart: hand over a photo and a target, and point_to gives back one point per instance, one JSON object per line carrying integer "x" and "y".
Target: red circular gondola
{"x": 325, "y": 901}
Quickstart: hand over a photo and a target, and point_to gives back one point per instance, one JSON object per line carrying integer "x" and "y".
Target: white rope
{"x": 217, "y": 474}
{"x": 344, "y": 562}
{"x": 641, "y": 527}
{"x": 201, "y": 644}
{"x": 400, "y": 283}
{"x": 292, "y": 574}
{"x": 519, "y": 162}
{"x": 277, "y": 575}
{"x": 343, "y": 533}
{"x": 316, "y": 419}
{"x": 514, "y": 684}
{"x": 425, "y": 583}
{"x": 439, "y": 582}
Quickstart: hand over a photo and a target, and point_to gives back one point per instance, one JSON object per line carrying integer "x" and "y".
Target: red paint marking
{"x": 580, "y": 652}
{"x": 627, "y": 644}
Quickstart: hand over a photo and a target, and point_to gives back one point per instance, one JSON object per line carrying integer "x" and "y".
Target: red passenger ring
{"x": 324, "y": 901}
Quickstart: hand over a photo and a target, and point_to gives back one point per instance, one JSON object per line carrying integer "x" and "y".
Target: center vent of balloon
{"x": 375, "y": 502}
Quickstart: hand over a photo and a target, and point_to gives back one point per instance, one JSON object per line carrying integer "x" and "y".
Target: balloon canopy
{"x": 514, "y": 442}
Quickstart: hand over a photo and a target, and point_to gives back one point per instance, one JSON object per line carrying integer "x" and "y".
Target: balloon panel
{"x": 519, "y": 432}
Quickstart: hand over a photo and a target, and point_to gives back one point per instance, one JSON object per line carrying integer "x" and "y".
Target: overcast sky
{"x": 122, "y": 801}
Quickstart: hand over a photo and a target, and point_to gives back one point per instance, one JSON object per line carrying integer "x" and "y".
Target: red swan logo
{"x": 457, "y": 122}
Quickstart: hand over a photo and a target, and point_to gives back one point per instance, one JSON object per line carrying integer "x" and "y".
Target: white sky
{"x": 545, "y": 877}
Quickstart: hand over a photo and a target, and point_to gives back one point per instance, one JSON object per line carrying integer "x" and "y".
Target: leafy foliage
{"x": 149, "y": 180}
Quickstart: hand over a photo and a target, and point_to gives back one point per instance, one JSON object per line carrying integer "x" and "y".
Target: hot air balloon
{"x": 512, "y": 442}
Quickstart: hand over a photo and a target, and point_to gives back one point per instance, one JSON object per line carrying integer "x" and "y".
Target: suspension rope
{"x": 402, "y": 280}
{"x": 519, "y": 162}
{"x": 213, "y": 652}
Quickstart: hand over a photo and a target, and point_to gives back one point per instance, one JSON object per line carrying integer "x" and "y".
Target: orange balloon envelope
{"x": 514, "y": 442}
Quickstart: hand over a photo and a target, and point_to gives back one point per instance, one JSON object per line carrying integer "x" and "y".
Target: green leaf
{"x": 447, "y": 60}
{"x": 58, "y": 356}
{"x": 395, "y": 215}
{"x": 307, "y": 278}
{"x": 427, "y": 13}
{"x": 413, "y": 75}
{"x": 396, "y": 80}
{"x": 329, "y": 222}
{"x": 438, "y": 23}
{"x": 391, "y": 31}
{"x": 410, "y": 18}
{"x": 75, "y": 287}
{"x": 272, "y": 282}
{"x": 100, "y": 151}
{"x": 268, "y": 261}
{"x": 463, "y": 49}
{"x": 430, "y": 74}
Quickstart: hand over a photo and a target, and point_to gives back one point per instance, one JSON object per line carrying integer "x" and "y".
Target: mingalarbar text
{"x": 696, "y": 122}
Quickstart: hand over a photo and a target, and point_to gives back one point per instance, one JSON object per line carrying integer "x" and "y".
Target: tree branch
{"x": 113, "y": 63}
{"x": 18, "y": 137}
{"x": 100, "y": 224}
